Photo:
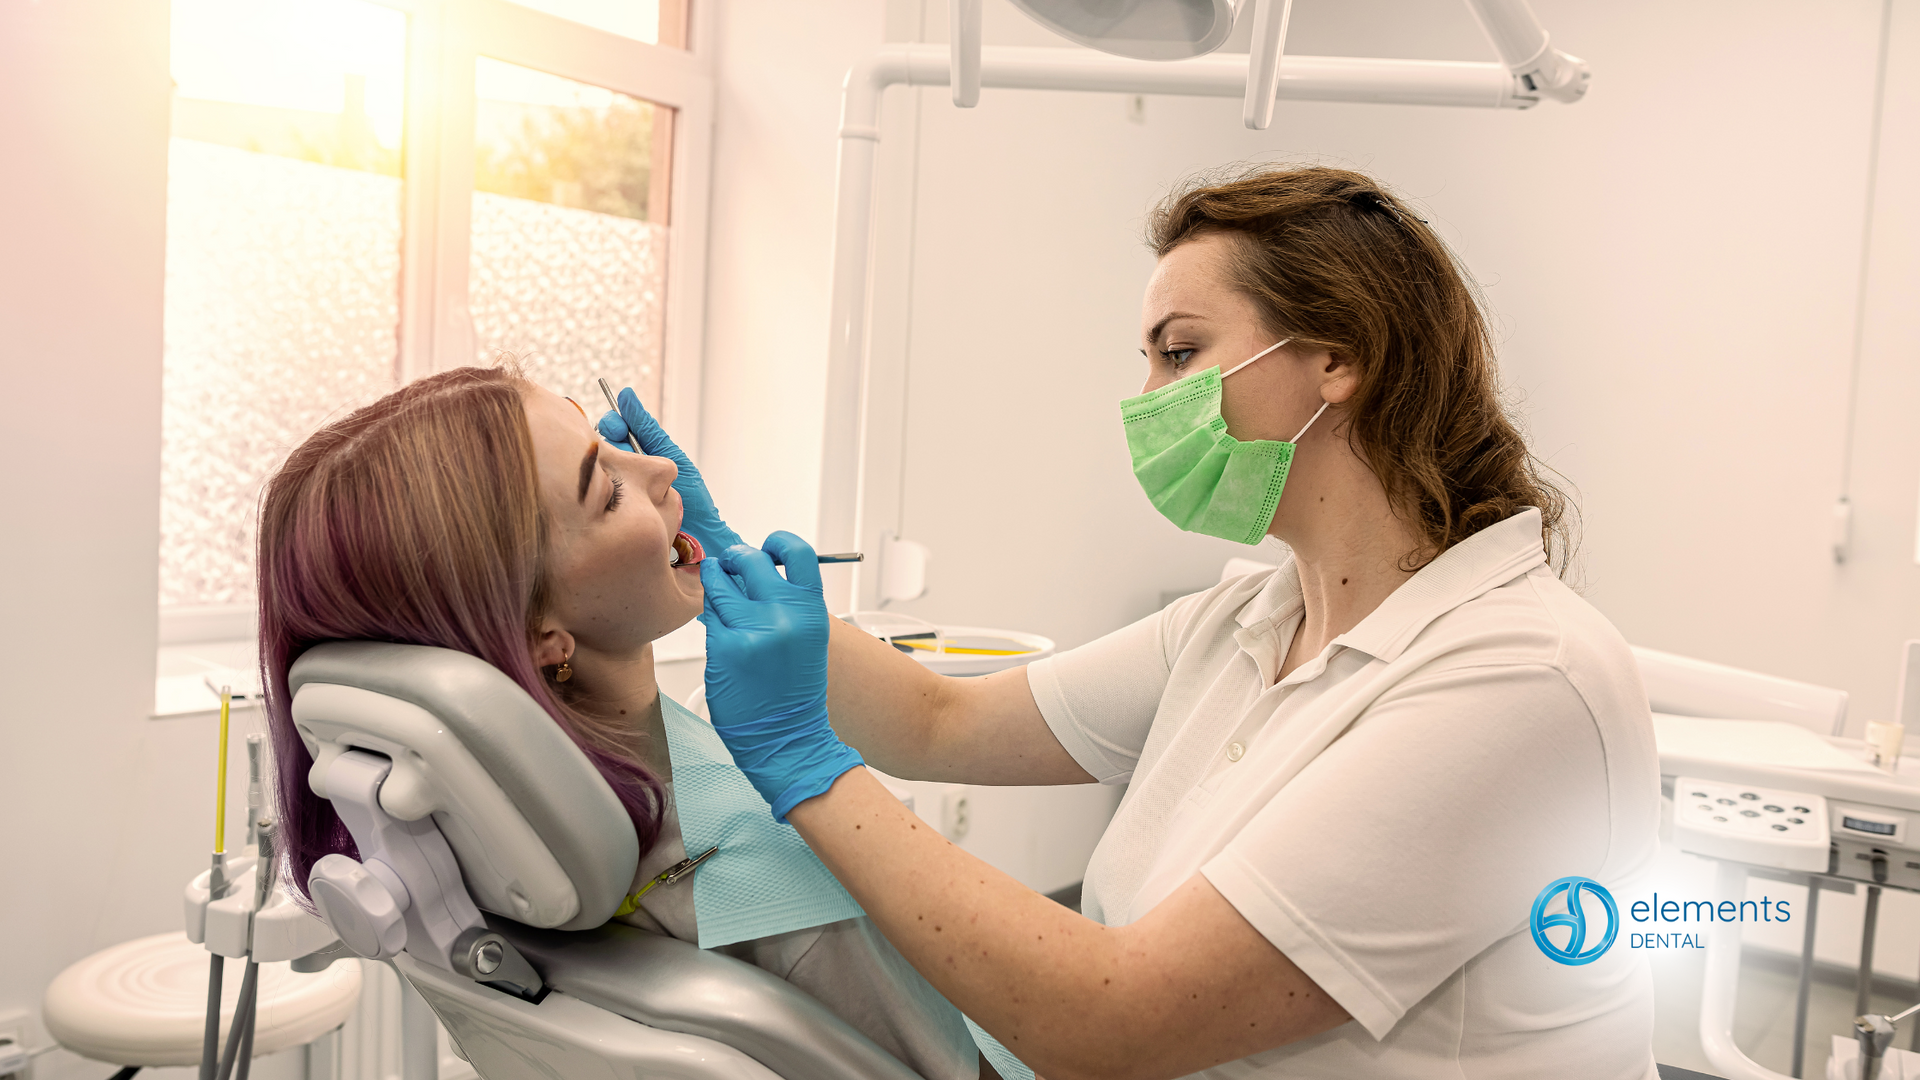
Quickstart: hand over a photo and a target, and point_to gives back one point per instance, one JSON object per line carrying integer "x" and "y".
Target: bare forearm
{"x": 881, "y": 702}
{"x": 1189, "y": 986}
{"x": 1018, "y": 963}
{"x": 907, "y": 721}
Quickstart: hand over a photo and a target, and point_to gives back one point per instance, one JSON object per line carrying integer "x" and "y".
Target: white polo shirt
{"x": 1387, "y": 813}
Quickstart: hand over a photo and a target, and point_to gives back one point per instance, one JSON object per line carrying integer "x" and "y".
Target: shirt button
{"x": 1236, "y": 751}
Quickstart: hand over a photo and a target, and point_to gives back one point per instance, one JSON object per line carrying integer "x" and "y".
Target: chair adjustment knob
{"x": 360, "y": 905}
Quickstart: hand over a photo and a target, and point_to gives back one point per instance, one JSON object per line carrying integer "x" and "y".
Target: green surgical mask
{"x": 1203, "y": 479}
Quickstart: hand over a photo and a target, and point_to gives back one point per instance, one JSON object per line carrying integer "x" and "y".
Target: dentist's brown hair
{"x": 1335, "y": 261}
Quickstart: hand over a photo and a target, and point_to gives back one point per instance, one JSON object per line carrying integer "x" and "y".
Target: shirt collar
{"x": 1479, "y": 564}
{"x": 1482, "y": 562}
{"x": 1261, "y": 617}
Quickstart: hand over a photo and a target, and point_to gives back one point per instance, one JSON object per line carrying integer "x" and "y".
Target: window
{"x": 567, "y": 266}
{"x": 363, "y": 192}
{"x": 283, "y": 258}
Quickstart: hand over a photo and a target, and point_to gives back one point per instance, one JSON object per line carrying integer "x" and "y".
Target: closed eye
{"x": 619, "y": 491}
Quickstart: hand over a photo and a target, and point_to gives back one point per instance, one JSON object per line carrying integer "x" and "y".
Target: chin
{"x": 694, "y": 594}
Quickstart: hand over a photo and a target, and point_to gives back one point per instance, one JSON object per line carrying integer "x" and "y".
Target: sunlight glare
{"x": 636, "y": 19}
{"x": 293, "y": 54}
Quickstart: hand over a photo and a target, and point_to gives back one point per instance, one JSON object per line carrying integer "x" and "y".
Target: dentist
{"x": 1348, "y": 778}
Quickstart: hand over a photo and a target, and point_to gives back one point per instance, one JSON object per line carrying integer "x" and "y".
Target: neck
{"x": 1350, "y": 552}
{"x": 621, "y": 689}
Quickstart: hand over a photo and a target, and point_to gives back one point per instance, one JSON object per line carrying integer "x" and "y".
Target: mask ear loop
{"x": 1316, "y": 416}
{"x": 1256, "y": 356}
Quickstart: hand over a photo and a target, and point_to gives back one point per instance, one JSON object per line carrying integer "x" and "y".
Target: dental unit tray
{"x": 1734, "y": 743}
{"x": 1750, "y": 824}
{"x": 1860, "y": 809}
{"x": 953, "y": 650}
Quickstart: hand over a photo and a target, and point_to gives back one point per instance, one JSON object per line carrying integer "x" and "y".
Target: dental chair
{"x": 492, "y": 855}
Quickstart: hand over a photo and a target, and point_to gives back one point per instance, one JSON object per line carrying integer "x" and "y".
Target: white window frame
{"x": 436, "y": 325}
{"x": 444, "y": 38}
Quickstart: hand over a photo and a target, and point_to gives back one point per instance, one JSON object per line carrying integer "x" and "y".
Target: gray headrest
{"x": 540, "y": 836}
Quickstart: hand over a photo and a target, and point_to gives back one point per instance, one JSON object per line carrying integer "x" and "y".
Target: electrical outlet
{"x": 19, "y": 1037}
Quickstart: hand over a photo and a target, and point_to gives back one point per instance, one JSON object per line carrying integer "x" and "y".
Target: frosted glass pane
{"x": 569, "y": 239}
{"x": 283, "y": 258}
{"x": 572, "y": 293}
{"x": 282, "y": 301}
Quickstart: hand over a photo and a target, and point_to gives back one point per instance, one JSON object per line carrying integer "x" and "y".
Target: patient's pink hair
{"x": 416, "y": 520}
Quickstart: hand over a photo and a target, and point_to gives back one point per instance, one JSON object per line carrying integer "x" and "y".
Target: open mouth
{"x": 686, "y": 551}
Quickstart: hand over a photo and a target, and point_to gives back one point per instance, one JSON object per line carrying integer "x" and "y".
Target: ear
{"x": 551, "y": 646}
{"x": 1339, "y": 379}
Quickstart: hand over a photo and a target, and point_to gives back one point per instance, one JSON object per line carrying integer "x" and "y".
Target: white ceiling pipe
{"x": 1305, "y": 78}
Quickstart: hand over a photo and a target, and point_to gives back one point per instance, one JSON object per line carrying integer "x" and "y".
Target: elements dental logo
{"x": 1574, "y": 951}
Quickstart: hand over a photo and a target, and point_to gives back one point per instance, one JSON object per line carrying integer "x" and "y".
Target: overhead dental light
{"x": 1175, "y": 30}
{"x": 1140, "y": 29}
{"x": 1158, "y": 30}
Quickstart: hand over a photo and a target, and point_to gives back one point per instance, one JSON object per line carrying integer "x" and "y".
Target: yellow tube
{"x": 955, "y": 650}
{"x": 220, "y": 778}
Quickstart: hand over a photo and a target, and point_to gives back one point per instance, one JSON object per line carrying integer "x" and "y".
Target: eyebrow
{"x": 1167, "y": 318}
{"x": 586, "y": 469}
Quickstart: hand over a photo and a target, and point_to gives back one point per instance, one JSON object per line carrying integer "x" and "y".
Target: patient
{"x": 473, "y": 510}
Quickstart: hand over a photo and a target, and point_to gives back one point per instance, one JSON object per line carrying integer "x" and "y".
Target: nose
{"x": 658, "y": 474}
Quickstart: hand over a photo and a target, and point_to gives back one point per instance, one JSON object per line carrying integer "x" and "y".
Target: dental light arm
{"x": 1270, "y": 20}
{"x": 965, "y": 35}
{"x": 1527, "y": 50}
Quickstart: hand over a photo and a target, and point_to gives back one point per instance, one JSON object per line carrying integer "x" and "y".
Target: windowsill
{"x": 181, "y": 679}
{"x": 181, "y": 686}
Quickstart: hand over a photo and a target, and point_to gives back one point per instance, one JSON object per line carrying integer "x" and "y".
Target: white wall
{"x": 1672, "y": 267}
{"x": 778, "y": 68}
{"x": 96, "y": 846}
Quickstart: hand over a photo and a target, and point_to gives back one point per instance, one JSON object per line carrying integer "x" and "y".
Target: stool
{"x": 144, "y": 1002}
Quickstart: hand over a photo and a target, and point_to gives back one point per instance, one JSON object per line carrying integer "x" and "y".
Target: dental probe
{"x": 842, "y": 557}
{"x": 670, "y": 876}
{"x": 632, "y": 443}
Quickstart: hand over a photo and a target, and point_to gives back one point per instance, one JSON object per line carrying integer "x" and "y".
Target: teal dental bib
{"x": 764, "y": 880}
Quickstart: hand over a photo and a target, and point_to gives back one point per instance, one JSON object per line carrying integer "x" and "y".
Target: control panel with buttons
{"x": 1754, "y": 825}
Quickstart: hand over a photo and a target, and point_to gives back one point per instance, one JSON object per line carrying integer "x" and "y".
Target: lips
{"x": 687, "y": 552}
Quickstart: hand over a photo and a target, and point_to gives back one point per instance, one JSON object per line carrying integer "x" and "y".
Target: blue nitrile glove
{"x": 702, "y": 517}
{"x": 767, "y": 670}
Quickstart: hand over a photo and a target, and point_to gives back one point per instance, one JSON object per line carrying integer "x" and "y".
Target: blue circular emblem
{"x": 1574, "y": 951}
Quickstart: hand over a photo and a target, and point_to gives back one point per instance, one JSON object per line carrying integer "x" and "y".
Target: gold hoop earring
{"x": 564, "y": 671}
